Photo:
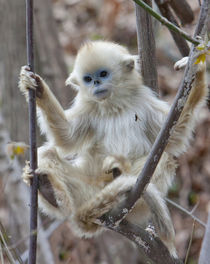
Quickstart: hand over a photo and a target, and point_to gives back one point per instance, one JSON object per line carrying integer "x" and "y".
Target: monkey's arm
{"x": 52, "y": 119}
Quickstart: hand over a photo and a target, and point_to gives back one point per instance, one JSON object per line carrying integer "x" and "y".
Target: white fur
{"x": 125, "y": 124}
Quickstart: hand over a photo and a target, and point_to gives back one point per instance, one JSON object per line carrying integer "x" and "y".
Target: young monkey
{"x": 97, "y": 148}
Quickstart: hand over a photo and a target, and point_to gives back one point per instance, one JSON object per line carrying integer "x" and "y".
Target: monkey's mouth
{"x": 102, "y": 94}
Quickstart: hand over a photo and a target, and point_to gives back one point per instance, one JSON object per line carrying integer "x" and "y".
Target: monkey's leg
{"x": 62, "y": 187}
{"x": 182, "y": 131}
{"x": 86, "y": 217}
{"x": 54, "y": 197}
{"x": 160, "y": 217}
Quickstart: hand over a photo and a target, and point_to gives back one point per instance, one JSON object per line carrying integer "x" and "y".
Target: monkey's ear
{"x": 128, "y": 64}
{"x": 72, "y": 82}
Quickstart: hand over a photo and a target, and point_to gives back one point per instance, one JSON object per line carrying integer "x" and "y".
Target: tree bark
{"x": 181, "y": 43}
{"x": 12, "y": 57}
{"x": 15, "y": 110}
{"x": 50, "y": 64}
{"x": 49, "y": 61}
{"x": 146, "y": 47}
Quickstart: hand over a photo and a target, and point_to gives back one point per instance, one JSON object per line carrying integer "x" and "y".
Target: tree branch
{"x": 161, "y": 141}
{"x": 186, "y": 212}
{"x": 205, "y": 252}
{"x": 150, "y": 246}
{"x": 113, "y": 218}
{"x": 32, "y": 136}
{"x": 179, "y": 40}
{"x": 146, "y": 47}
{"x": 167, "y": 23}
{"x": 182, "y": 10}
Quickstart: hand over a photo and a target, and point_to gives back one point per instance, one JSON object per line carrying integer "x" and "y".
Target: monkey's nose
{"x": 97, "y": 82}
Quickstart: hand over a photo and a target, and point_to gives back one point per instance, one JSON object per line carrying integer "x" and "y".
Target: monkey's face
{"x": 102, "y": 71}
{"x": 98, "y": 83}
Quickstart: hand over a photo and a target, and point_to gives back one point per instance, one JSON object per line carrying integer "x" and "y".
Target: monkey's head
{"x": 101, "y": 70}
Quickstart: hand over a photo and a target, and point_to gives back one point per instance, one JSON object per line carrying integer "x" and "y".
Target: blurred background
{"x": 61, "y": 26}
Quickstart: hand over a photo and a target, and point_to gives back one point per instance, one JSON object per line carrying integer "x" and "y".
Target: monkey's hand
{"x": 181, "y": 63}
{"x": 29, "y": 80}
{"x": 116, "y": 165}
{"x": 53, "y": 120}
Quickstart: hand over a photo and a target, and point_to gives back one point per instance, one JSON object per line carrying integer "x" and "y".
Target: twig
{"x": 167, "y": 23}
{"x": 4, "y": 242}
{"x": 190, "y": 243}
{"x": 48, "y": 232}
{"x": 8, "y": 253}
{"x": 185, "y": 211}
{"x": 32, "y": 136}
{"x": 205, "y": 252}
{"x": 1, "y": 255}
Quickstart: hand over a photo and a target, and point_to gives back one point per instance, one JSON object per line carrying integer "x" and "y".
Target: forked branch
{"x": 112, "y": 219}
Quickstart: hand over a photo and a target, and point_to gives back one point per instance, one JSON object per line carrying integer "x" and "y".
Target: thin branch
{"x": 190, "y": 243}
{"x": 185, "y": 211}
{"x": 1, "y": 254}
{"x": 167, "y": 23}
{"x": 205, "y": 252}
{"x": 4, "y": 242}
{"x": 7, "y": 251}
{"x": 32, "y": 136}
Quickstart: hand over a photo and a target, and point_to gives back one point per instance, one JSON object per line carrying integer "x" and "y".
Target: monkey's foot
{"x": 116, "y": 165}
{"x": 27, "y": 173}
{"x": 151, "y": 230}
{"x": 181, "y": 63}
{"x": 88, "y": 214}
{"x": 29, "y": 80}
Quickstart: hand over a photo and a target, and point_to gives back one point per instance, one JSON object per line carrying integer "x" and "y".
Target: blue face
{"x": 99, "y": 82}
{"x": 97, "y": 77}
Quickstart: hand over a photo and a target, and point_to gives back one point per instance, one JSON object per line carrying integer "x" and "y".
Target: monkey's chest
{"x": 124, "y": 136}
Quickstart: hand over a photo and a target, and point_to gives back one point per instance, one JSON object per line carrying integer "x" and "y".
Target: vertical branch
{"x": 146, "y": 46}
{"x": 112, "y": 217}
{"x": 32, "y": 135}
{"x": 205, "y": 252}
{"x": 183, "y": 11}
{"x": 180, "y": 42}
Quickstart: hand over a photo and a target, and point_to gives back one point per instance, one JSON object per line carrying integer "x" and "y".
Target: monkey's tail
{"x": 160, "y": 217}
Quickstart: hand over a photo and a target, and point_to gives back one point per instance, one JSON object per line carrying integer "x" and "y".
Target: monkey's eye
{"x": 87, "y": 79}
{"x": 103, "y": 73}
